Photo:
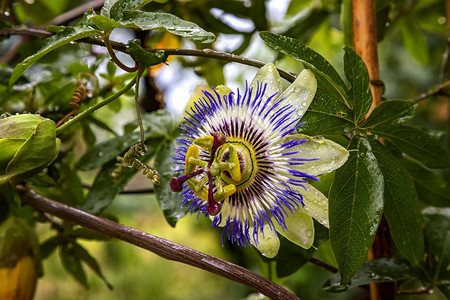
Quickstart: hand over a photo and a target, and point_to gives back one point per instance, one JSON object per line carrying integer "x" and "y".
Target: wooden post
{"x": 364, "y": 28}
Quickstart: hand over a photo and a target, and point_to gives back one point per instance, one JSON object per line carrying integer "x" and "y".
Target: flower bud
{"x": 28, "y": 144}
{"x": 20, "y": 263}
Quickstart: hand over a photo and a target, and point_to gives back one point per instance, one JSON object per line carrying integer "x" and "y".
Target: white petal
{"x": 269, "y": 244}
{"x": 301, "y": 93}
{"x": 330, "y": 155}
{"x": 268, "y": 74}
{"x": 300, "y": 229}
{"x": 316, "y": 204}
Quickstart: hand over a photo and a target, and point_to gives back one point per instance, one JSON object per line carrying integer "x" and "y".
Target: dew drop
{"x": 100, "y": 154}
{"x": 37, "y": 113}
{"x": 304, "y": 103}
{"x": 308, "y": 233}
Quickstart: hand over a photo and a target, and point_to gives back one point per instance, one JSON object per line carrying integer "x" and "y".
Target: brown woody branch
{"x": 164, "y": 248}
{"x": 178, "y": 52}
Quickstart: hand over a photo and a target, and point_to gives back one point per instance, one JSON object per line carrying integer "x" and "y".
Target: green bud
{"x": 17, "y": 240}
{"x": 28, "y": 144}
{"x": 20, "y": 261}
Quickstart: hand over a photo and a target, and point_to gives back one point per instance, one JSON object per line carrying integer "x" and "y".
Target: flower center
{"x": 246, "y": 160}
{"x": 231, "y": 167}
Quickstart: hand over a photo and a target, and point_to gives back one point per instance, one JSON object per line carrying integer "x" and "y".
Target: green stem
{"x": 93, "y": 108}
{"x": 138, "y": 110}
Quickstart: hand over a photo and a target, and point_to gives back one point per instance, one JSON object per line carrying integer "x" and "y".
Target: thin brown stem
{"x": 438, "y": 90}
{"x": 421, "y": 291}
{"x": 164, "y": 248}
{"x": 178, "y": 52}
{"x": 115, "y": 59}
{"x": 75, "y": 13}
{"x": 323, "y": 265}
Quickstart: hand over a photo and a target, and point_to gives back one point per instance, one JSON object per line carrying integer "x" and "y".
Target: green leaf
{"x": 414, "y": 40}
{"x": 291, "y": 257}
{"x": 72, "y": 265}
{"x": 326, "y": 115}
{"x": 88, "y": 135}
{"x": 106, "y": 151}
{"x": 431, "y": 186}
{"x": 145, "y": 20}
{"x": 356, "y": 204}
{"x": 83, "y": 255}
{"x": 377, "y": 270}
{"x": 297, "y": 6}
{"x": 169, "y": 201}
{"x": 60, "y": 39}
{"x": 104, "y": 23}
{"x": 120, "y": 6}
{"x": 359, "y": 95}
{"x": 107, "y": 7}
{"x": 391, "y": 112}
{"x": 100, "y": 124}
{"x": 401, "y": 205}
{"x": 309, "y": 57}
{"x": 136, "y": 51}
{"x": 305, "y": 28}
{"x": 103, "y": 192}
{"x": 49, "y": 246}
{"x": 416, "y": 143}
{"x": 437, "y": 236}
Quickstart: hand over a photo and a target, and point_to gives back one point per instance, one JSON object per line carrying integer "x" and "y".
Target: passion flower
{"x": 246, "y": 169}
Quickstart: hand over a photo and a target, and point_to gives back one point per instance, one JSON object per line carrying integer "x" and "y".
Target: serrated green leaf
{"x": 84, "y": 255}
{"x": 138, "y": 53}
{"x": 49, "y": 246}
{"x": 416, "y": 143}
{"x": 145, "y": 20}
{"x": 309, "y": 57}
{"x": 437, "y": 236}
{"x": 390, "y": 112}
{"x": 359, "y": 95}
{"x": 72, "y": 265}
{"x": 356, "y": 204}
{"x": 326, "y": 115}
{"x": 60, "y": 39}
{"x": 401, "y": 205}
{"x": 169, "y": 201}
{"x": 377, "y": 270}
{"x": 104, "y": 23}
{"x": 431, "y": 186}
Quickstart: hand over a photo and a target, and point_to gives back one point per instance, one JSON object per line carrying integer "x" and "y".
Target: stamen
{"x": 176, "y": 183}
